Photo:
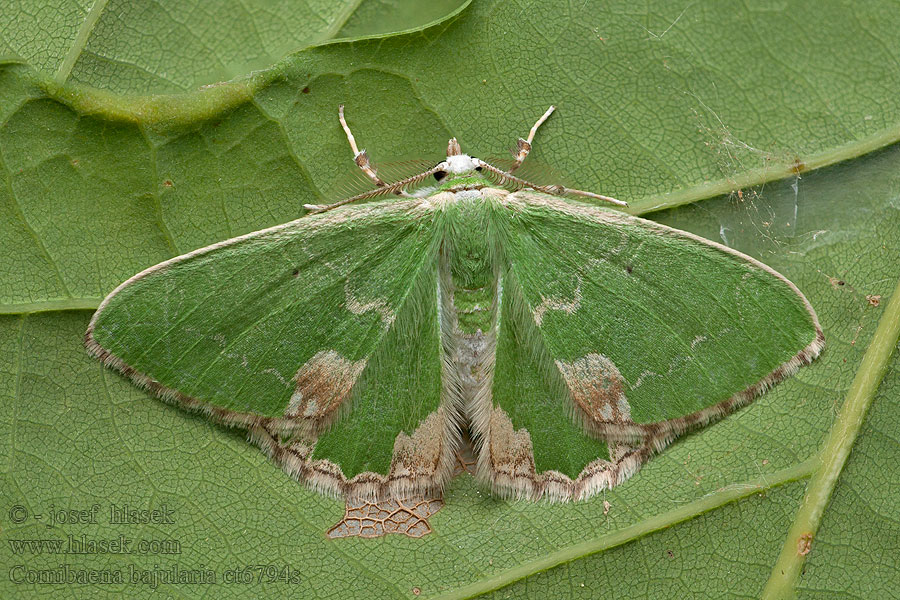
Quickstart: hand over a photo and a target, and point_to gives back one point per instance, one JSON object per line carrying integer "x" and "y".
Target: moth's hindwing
{"x": 320, "y": 336}
{"x": 618, "y": 334}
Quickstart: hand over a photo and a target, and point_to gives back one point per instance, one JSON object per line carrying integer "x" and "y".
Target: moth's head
{"x": 457, "y": 163}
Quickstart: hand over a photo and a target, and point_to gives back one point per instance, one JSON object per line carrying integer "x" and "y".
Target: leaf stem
{"x": 831, "y": 459}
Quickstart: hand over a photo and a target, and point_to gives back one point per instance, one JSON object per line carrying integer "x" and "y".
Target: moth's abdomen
{"x": 474, "y": 308}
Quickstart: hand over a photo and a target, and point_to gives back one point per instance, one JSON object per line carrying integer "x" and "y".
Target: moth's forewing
{"x": 640, "y": 332}
{"x": 282, "y": 330}
{"x": 401, "y": 422}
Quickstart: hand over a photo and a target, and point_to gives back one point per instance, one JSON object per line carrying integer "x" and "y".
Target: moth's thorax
{"x": 461, "y": 183}
{"x": 460, "y": 163}
{"x": 461, "y": 172}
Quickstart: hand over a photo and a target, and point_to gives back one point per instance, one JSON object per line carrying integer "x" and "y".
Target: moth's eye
{"x": 477, "y": 168}
{"x": 440, "y": 175}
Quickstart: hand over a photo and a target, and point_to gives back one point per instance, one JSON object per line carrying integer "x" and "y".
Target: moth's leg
{"x": 523, "y": 147}
{"x": 361, "y": 158}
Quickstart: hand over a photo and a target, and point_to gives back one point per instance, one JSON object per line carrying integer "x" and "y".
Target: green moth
{"x": 358, "y": 344}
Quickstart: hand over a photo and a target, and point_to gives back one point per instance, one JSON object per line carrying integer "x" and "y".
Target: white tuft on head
{"x": 460, "y": 163}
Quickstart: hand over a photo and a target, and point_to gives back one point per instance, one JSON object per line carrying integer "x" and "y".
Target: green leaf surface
{"x": 377, "y": 17}
{"x": 658, "y": 104}
{"x": 166, "y": 47}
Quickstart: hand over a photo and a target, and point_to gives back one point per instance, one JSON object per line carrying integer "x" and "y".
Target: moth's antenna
{"x": 553, "y": 190}
{"x": 392, "y": 188}
{"x": 360, "y": 157}
{"x": 523, "y": 147}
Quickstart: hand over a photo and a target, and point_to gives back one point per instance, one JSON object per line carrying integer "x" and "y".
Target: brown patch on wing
{"x": 323, "y": 383}
{"x": 418, "y": 456}
{"x": 597, "y": 388}
{"x": 421, "y": 464}
{"x": 506, "y": 461}
{"x": 509, "y": 452}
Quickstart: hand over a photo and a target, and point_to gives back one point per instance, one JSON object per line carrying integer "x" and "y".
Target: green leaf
{"x": 158, "y": 47}
{"x": 658, "y": 105}
{"x": 375, "y": 17}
